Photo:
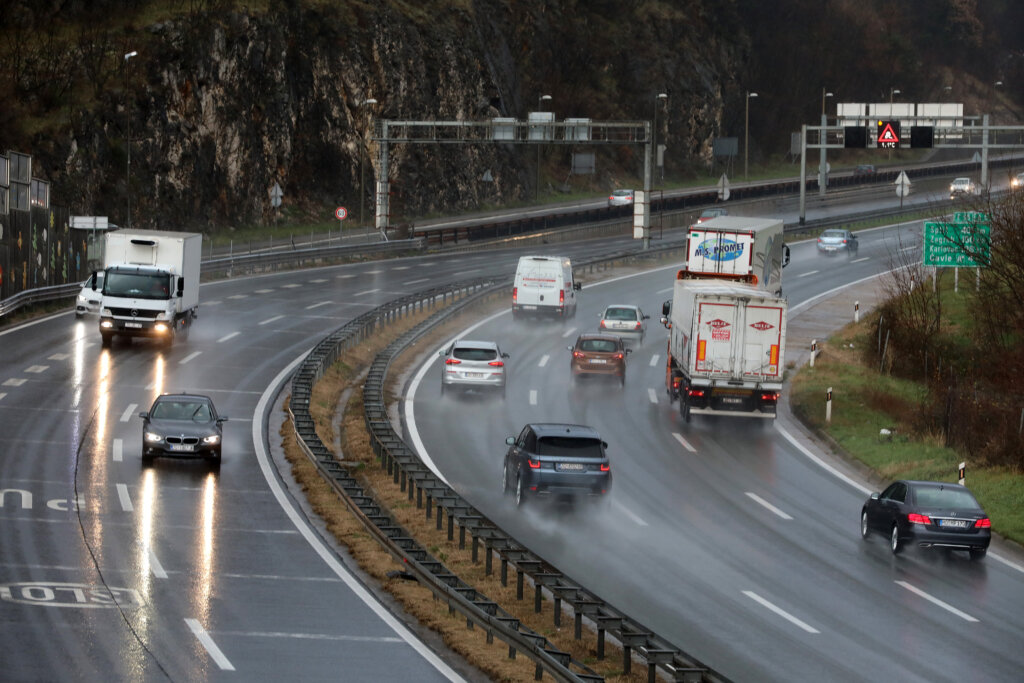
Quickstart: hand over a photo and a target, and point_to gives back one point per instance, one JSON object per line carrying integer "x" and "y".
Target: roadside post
{"x": 814, "y": 351}
{"x": 828, "y": 405}
{"x": 856, "y": 311}
{"x": 963, "y": 473}
{"x": 340, "y": 213}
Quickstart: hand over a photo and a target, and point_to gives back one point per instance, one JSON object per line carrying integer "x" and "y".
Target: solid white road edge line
{"x": 211, "y": 647}
{"x": 935, "y": 601}
{"x": 317, "y": 544}
{"x": 768, "y": 506}
{"x": 824, "y": 465}
{"x": 781, "y": 612}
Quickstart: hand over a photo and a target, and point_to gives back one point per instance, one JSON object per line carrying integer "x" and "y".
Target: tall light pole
{"x": 823, "y": 96}
{"x": 892, "y": 91}
{"x": 128, "y": 141}
{"x": 822, "y": 162}
{"x": 540, "y": 107}
{"x": 362, "y": 167}
{"x": 654, "y": 133}
{"x": 746, "y": 134}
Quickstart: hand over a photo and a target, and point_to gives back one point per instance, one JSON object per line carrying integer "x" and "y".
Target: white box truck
{"x": 151, "y": 287}
{"x": 544, "y": 285}
{"x": 726, "y": 348}
{"x": 738, "y": 248}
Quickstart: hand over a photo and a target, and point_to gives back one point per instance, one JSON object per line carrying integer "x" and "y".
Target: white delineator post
{"x": 828, "y": 405}
{"x": 814, "y": 351}
{"x": 856, "y": 311}
{"x": 963, "y": 472}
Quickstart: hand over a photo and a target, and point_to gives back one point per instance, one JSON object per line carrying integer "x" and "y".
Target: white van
{"x": 544, "y": 285}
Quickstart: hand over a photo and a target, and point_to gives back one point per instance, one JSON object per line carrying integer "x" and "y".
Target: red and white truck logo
{"x": 762, "y": 326}
{"x": 719, "y": 331}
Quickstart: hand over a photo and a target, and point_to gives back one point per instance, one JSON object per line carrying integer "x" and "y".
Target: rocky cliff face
{"x": 221, "y": 106}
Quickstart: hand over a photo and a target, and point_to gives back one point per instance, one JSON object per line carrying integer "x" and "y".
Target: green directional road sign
{"x": 956, "y": 245}
{"x": 970, "y": 217}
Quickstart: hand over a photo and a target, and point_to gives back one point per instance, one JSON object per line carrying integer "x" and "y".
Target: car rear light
{"x": 699, "y": 393}
{"x": 602, "y": 325}
{"x": 620, "y": 356}
{"x": 534, "y": 464}
{"x": 515, "y": 294}
{"x": 453, "y": 361}
{"x": 561, "y": 297}
{"x": 497, "y": 363}
{"x": 638, "y": 325}
{"x": 577, "y": 354}
{"x": 605, "y": 467}
{"x": 770, "y": 396}
{"x": 917, "y": 518}
{"x": 675, "y": 383}
{"x": 983, "y": 523}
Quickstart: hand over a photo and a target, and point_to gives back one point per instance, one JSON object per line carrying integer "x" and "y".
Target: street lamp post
{"x": 892, "y": 91}
{"x": 746, "y": 134}
{"x": 822, "y": 161}
{"x": 128, "y": 142}
{"x": 362, "y": 170}
{"x": 654, "y": 134}
{"x": 540, "y": 107}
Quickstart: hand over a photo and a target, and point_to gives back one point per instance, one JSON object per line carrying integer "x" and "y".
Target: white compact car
{"x": 89, "y": 299}
{"x": 961, "y": 187}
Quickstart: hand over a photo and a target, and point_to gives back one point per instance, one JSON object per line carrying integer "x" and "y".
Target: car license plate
{"x": 598, "y": 361}
{"x": 474, "y": 375}
{"x": 570, "y": 467}
{"x": 137, "y": 325}
{"x": 528, "y": 308}
{"x": 956, "y": 523}
{"x": 183, "y": 447}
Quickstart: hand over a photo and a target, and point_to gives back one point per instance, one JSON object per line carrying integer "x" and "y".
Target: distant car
{"x": 1017, "y": 181}
{"x": 182, "y": 425}
{"x": 599, "y": 354}
{"x": 708, "y": 214}
{"x": 558, "y": 460}
{"x": 473, "y": 364}
{"x": 625, "y": 320}
{"x": 620, "y": 198}
{"x": 836, "y": 241}
{"x": 929, "y": 514}
{"x": 864, "y": 172}
{"x": 962, "y": 186}
{"x": 89, "y": 298}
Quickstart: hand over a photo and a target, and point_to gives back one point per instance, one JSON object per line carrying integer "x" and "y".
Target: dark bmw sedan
{"x": 558, "y": 460}
{"x": 928, "y": 514}
{"x": 182, "y": 425}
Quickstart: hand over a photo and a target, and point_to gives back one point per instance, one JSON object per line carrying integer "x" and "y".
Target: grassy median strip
{"x": 337, "y": 409}
{"x": 865, "y": 401}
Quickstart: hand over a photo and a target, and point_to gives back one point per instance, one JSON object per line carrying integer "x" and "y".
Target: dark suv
{"x": 561, "y": 460}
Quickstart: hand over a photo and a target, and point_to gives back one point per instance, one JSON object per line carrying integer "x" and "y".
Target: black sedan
{"x": 557, "y": 460}
{"x": 182, "y": 425}
{"x": 929, "y": 514}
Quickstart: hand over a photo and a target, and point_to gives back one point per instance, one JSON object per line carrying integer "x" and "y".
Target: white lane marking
{"x": 664, "y": 291}
{"x": 318, "y": 281}
{"x": 401, "y": 268}
{"x": 862, "y": 258}
{"x": 290, "y": 285}
{"x": 369, "y": 291}
{"x": 270, "y": 320}
{"x": 909, "y": 248}
{"x": 313, "y": 538}
{"x": 118, "y": 450}
{"x": 318, "y": 305}
{"x": 2, "y": 394}
{"x": 238, "y": 296}
{"x": 471, "y": 270}
{"x": 311, "y": 636}
{"x": 122, "y": 495}
{"x": 810, "y": 272}
{"x": 14, "y": 382}
{"x": 533, "y": 397}
{"x": 416, "y": 282}
{"x": 191, "y": 356}
{"x": 154, "y": 562}
{"x": 654, "y": 360}
{"x": 346, "y": 276}
{"x": 761, "y": 501}
{"x": 781, "y": 612}
{"x": 543, "y": 360}
{"x": 211, "y": 303}
{"x": 935, "y": 601}
{"x": 807, "y": 302}
{"x": 128, "y": 412}
{"x": 262, "y": 291}
{"x": 629, "y": 513}
{"x": 569, "y": 332}
{"x": 651, "y": 395}
{"x": 1008, "y": 563}
{"x": 59, "y": 356}
{"x": 686, "y": 444}
{"x": 374, "y": 272}
{"x": 227, "y": 337}
{"x": 824, "y": 465}
{"x": 211, "y": 647}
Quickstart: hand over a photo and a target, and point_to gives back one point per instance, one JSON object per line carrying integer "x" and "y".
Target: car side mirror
{"x": 93, "y": 280}
{"x": 647, "y": 317}
{"x": 505, "y": 355}
{"x": 629, "y": 350}
{"x": 222, "y": 419}
{"x": 181, "y": 286}
{"x": 144, "y": 415}
{"x": 785, "y": 255}
{"x": 577, "y": 286}
{"x": 510, "y": 440}
{"x": 874, "y": 496}
{"x": 666, "y": 308}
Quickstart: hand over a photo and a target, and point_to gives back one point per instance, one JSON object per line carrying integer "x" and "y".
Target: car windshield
{"x": 618, "y": 313}
{"x": 622, "y": 193}
{"x": 181, "y": 410}
{"x": 938, "y": 497}
{"x": 138, "y": 285}
{"x": 571, "y": 447}
{"x": 471, "y": 353}
{"x": 601, "y": 345}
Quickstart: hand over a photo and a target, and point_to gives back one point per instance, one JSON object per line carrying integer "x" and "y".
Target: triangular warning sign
{"x": 887, "y": 134}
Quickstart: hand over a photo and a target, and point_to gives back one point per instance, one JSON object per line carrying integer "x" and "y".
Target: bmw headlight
{"x": 153, "y": 437}
{"x": 211, "y": 440}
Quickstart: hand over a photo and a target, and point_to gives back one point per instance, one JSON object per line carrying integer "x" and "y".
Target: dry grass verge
{"x": 343, "y": 382}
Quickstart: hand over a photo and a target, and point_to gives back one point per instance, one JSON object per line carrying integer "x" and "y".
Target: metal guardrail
{"x": 440, "y": 501}
{"x": 39, "y": 295}
{"x": 229, "y": 266}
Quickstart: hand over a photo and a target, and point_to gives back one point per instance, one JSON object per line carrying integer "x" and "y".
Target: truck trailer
{"x": 727, "y": 342}
{"x": 740, "y": 249}
{"x": 151, "y": 287}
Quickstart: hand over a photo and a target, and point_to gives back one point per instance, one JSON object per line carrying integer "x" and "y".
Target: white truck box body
{"x": 729, "y": 341}
{"x": 544, "y": 284}
{"x": 738, "y": 248}
{"x": 178, "y": 253}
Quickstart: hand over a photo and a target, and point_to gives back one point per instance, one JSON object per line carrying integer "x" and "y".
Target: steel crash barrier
{"x": 449, "y": 510}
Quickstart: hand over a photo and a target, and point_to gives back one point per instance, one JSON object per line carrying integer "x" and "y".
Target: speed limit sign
{"x": 340, "y": 213}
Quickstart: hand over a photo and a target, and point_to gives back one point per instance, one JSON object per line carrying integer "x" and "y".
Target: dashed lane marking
{"x": 117, "y": 450}
{"x": 686, "y": 444}
{"x": 122, "y": 495}
{"x": 191, "y": 356}
{"x": 227, "y": 337}
{"x": 935, "y": 601}
{"x": 781, "y": 612}
{"x": 543, "y": 360}
{"x": 128, "y": 412}
{"x": 211, "y": 647}
{"x": 270, "y": 320}
{"x": 768, "y": 506}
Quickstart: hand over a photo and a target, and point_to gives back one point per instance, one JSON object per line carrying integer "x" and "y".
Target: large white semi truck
{"x": 151, "y": 287}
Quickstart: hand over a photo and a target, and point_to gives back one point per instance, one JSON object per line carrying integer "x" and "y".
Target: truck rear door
{"x": 717, "y": 334}
{"x": 762, "y": 330}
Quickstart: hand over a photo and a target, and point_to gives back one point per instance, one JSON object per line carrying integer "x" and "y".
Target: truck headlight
{"x": 160, "y": 327}
{"x": 106, "y": 324}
